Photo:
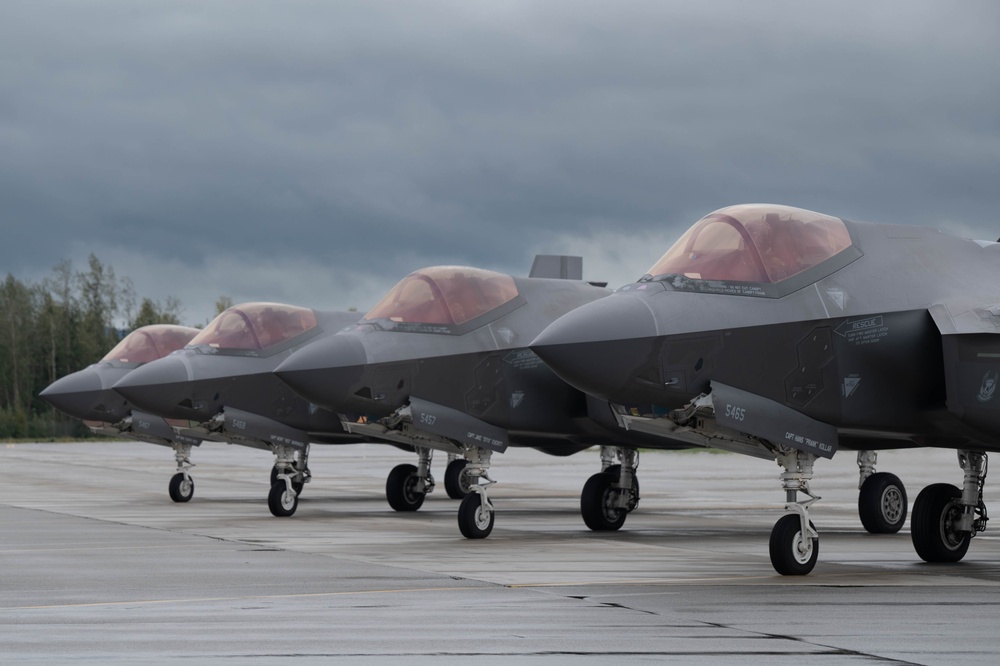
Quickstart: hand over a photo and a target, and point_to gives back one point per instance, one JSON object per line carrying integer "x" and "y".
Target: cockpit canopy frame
{"x": 149, "y": 343}
{"x": 756, "y": 250}
{"x": 445, "y": 299}
{"x": 257, "y": 329}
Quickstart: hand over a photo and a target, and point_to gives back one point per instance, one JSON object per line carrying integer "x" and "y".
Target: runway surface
{"x": 97, "y": 565}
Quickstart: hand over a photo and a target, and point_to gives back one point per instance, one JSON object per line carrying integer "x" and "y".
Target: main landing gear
{"x": 457, "y": 480}
{"x": 406, "y": 486}
{"x": 611, "y": 494}
{"x": 882, "y": 497}
{"x": 945, "y": 518}
{"x": 288, "y": 478}
{"x": 794, "y": 544}
{"x": 181, "y": 487}
{"x": 476, "y": 513}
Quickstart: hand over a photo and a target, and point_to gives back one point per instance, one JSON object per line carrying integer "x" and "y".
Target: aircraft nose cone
{"x": 157, "y": 387}
{"x": 325, "y": 372}
{"x": 77, "y": 394}
{"x": 599, "y": 346}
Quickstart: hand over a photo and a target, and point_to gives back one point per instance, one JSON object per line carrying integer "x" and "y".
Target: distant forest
{"x": 58, "y": 326}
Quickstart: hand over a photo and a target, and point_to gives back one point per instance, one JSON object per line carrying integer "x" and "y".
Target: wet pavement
{"x": 98, "y": 565}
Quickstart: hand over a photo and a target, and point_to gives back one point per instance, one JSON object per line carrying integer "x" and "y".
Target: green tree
{"x": 151, "y": 312}
{"x": 56, "y": 327}
{"x": 223, "y": 304}
{"x": 17, "y": 322}
{"x": 99, "y": 292}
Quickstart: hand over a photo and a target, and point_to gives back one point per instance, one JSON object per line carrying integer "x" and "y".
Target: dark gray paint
{"x": 858, "y": 349}
{"x": 484, "y": 371}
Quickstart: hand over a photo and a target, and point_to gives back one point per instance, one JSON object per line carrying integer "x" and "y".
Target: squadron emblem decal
{"x": 988, "y": 387}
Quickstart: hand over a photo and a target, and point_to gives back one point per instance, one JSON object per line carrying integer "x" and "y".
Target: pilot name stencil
{"x": 485, "y": 439}
{"x": 802, "y": 440}
{"x": 867, "y": 331}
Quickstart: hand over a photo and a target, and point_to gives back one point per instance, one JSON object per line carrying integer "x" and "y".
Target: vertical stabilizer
{"x": 557, "y": 266}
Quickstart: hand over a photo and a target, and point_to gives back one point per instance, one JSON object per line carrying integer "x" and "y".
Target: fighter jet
{"x": 221, "y": 387}
{"x": 441, "y": 363}
{"x": 787, "y": 334}
{"x": 87, "y": 395}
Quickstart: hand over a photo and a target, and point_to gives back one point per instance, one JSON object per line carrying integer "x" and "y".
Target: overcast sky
{"x": 316, "y": 152}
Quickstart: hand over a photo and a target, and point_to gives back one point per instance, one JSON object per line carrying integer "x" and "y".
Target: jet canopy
{"x": 150, "y": 343}
{"x": 256, "y": 326}
{"x": 760, "y": 243}
{"x": 448, "y": 295}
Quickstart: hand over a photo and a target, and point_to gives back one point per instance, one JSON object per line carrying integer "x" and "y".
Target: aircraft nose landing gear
{"x": 287, "y": 481}
{"x": 181, "y": 486}
{"x": 475, "y": 513}
{"x": 794, "y": 545}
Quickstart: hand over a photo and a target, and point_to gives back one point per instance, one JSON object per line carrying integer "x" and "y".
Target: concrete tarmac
{"x": 97, "y": 565}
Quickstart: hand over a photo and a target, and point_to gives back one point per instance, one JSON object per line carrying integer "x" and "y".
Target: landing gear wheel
{"x": 596, "y": 504}
{"x": 181, "y": 487}
{"x": 616, "y": 471}
{"x": 400, "y": 488}
{"x": 274, "y": 475}
{"x": 475, "y": 519}
{"x": 882, "y": 503}
{"x": 456, "y": 482}
{"x": 791, "y": 554}
{"x": 932, "y": 525}
{"x": 281, "y": 501}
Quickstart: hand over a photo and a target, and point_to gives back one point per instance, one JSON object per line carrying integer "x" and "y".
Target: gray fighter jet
{"x": 441, "y": 363}
{"x": 787, "y": 334}
{"x": 87, "y": 395}
{"x": 221, "y": 387}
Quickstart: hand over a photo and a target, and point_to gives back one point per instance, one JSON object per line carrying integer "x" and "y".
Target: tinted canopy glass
{"x": 445, "y": 295}
{"x": 256, "y": 326}
{"x": 754, "y": 243}
{"x": 150, "y": 343}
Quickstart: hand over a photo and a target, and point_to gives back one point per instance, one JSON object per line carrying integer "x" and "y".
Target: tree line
{"x": 59, "y": 325}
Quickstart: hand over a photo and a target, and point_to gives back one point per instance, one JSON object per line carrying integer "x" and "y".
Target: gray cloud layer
{"x": 351, "y": 142}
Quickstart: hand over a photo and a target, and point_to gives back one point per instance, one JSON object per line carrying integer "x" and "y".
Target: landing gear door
{"x": 456, "y": 425}
{"x": 754, "y": 415}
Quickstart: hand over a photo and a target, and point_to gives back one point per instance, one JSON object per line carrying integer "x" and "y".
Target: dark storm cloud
{"x": 393, "y": 135}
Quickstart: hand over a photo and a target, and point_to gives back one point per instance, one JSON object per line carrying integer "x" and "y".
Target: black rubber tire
{"x": 399, "y": 488}
{"x": 456, "y": 483}
{"x": 934, "y": 511}
{"x": 786, "y": 558}
{"x": 280, "y": 503}
{"x": 472, "y": 520}
{"x": 616, "y": 472}
{"x": 595, "y": 504}
{"x": 882, "y": 503}
{"x": 274, "y": 475}
{"x": 181, "y": 487}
